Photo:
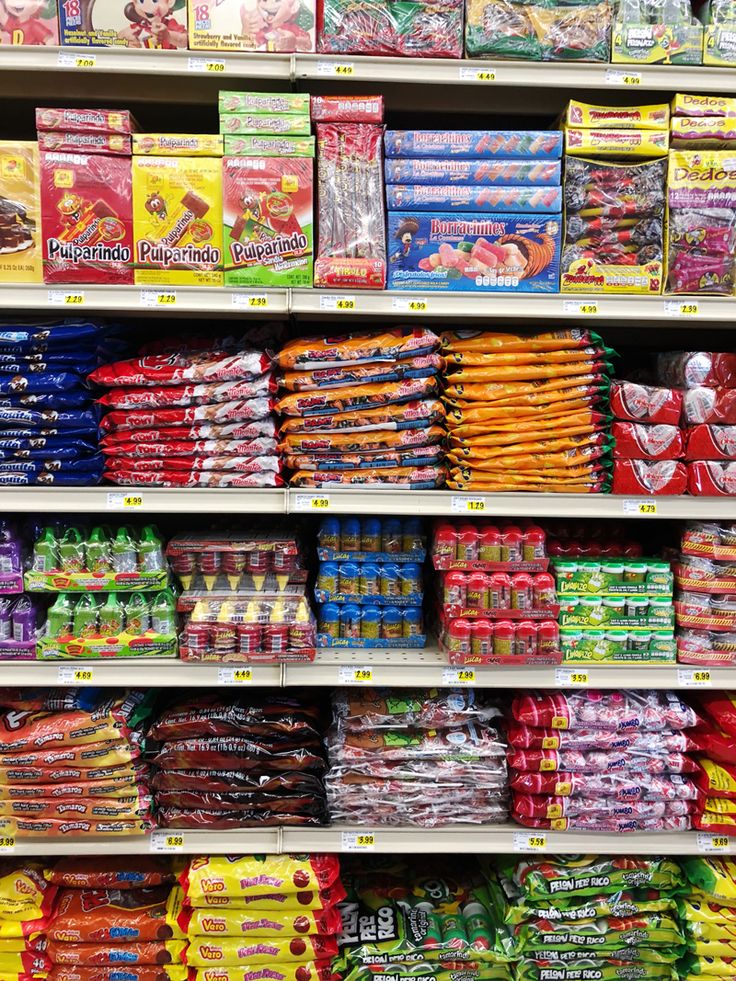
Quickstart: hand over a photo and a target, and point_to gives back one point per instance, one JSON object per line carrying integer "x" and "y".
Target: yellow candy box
{"x": 617, "y": 117}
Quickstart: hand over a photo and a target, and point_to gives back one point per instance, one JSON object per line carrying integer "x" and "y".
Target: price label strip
{"x": 68, "y": 60}
{"x": 682, "y": 308}
{"x": 158, "y": 298}
{"x": 410, "y": 304}
{"x": 530, "y": 843}
{"x": 235, "y": 676}
{"x": 358, "y": 841}
{"x": 165, "y": 841}
{"x": 614, "y": 77}
{"x": 342, "y": 69}
{"x": 477, "y": 75}
{"x": 62, "y": 298}
{"x": 342, "y": 304}
{"x": 694, "y": 678}
{"x": 209, "y": 65}
{"x": 584, "y": 308}
{"x": 75, "y": 676}
{"x": 460, "y": 504}
{"x": 124, "y": 502}
{"x": 458, "y": 676}
{"x": 311, "y": 502}
{"x": 714, "y": 843}
{"x": 643, "y": 508}
{"x": 569, "y": 677}
{"x": 350, "y": 675}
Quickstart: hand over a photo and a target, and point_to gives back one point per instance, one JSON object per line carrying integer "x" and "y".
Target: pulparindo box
{"x": 85, "y": 120}
{"x": 618, "y": 143}
{"x": 20, "y": 214}
{"x": 268, "y": 221}
{"x": 275, "y": 124}
{"x": 473, "y": 252}
{"x": 56, "y": 141}
{"x": 263, "y": 102}
{"x": 136, "y": 24}
{"x": 177, "y": 221}
{"x": 269, "y": 146}
{"x": 177, "y": 144}
{"x": 403, "y": 170}
{"x": 470, "y": 144}
{"x": 463, "y": 198}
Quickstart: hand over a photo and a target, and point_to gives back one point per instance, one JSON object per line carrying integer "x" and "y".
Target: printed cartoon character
{"x": 152, "y": 25}
{"x": 21, "y": 23}
{"x": 277, "y": 25}
{"x": 156, "y": 205}
{"x": 70, "y": 209}
{"x": 251, "y": 205}
{"x": 405, "y": 234}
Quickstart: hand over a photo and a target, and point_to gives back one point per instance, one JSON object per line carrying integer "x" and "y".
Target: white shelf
{"x": 154, "y": 500}
{"x": 146, "y": 672}
{"x": 238, "y": 842}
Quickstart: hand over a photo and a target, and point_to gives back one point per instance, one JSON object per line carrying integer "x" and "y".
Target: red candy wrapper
{"x": 710, "y": 405}
{"x": 710, "y": 443}
{"x": 347, "y": 109}
{"x": 352, "y": 240}
{"x": 637, "y": 442}
{"x": 660, "y": 477}
{"x": 711, "y": 478}
{"x": 645, "y": 403}
{"x": 690, "y": 369}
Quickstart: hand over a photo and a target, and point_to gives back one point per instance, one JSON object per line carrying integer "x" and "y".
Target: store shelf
{"x": 170, "y": 301}
{"x": 238, "y": 842}
{"x": 140, "y": 672}
{"x": 143, "y": 500}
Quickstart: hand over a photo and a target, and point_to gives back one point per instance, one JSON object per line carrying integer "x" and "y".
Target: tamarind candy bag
{"x": 484, "y": 340}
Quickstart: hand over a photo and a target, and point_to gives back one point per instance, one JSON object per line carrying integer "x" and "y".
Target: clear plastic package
{"x": 485, "y": 641}
{"x": 483, "y": 546}
{"x": 432, "y": 29}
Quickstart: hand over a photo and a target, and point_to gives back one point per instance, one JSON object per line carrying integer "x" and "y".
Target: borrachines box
{"x": 474, "y": 252}
{"x": 136, "y": 24}
{"x": 268, "y": 218}
{"x": 86, "y": 218}
{"x": 20, "y": 214}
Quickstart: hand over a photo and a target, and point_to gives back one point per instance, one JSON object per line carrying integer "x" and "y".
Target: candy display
{"x": 252, "y": 26}
{"x": 357, "y": 383}
{"x": 705, "y": 604}
{"x": 546, "y": 781}
{"x": 188, "y": 413}
{"x": 379, "y": 27}
{"x": 20, "y": 214}
{"x": 239, "y": 761}
{"x": 523, "y": 411}
{"x": 657, "y": 33}
{"x": 89, "y": 23}
{"x": 426, "y": 758}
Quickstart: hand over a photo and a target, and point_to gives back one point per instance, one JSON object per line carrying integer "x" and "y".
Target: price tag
{"x": 477, "y": 75}
{"x": 64, "y": 299}
{"x": 311, "y": 502}
{"x": 164, "y": 841}
{"x": 410, "y": 304}
{"x": 530, "y": 843}
{"x": 694, "y": 678}
{"x": 584, "y": 308}
{"x": 645, "y": 508}
{"x": 7, "y": 844}
{"x": 682, "y": 308}
{"x": 341, "y": 303}
{"x": 69, "y": 60}
{"x": 358, "y": 841}
{"x": 458, "y": 676}
{"x": 75, "y": 676}
{"x": 210, "y": 65}
{"x": 614, "y": 77}
{"x": 342, "y": 69}
{"x": 158, "y": 298}
{"x": 570, "y": 677}
{"x": 467, "y": 505}
{"x": 250, "y": 301}
{"x": 235, "y": 676}
{"x": 123, "y": 502}
{"x": 350, "y": 675}
{"x": 713, "y": 843}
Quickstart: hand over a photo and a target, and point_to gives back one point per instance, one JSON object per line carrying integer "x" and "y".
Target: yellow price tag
{"x": 476, "y": 505}
{"x": 631, "y": 79}
{"x": 166, "y": 299}
{"x": 648, "y": 507}
{"x": 320, "y": 503}
{"x": 643, "y": 508}
{"x": 258, "y": 301}
{"x": 7, "y": 844}
{"x": 486, "y": 76}
{"x": 84, "y": 62}
{"x": 344, "y": 69}
{"x": 365, "y": 841}
{"x": 242, "y": 675}
{"x": 689, "y": 309}
{"x": 719, "y": 841}
{"x": 74, "y": 299}
{"x": 174, "y": 841}
{"x": 702, "y": 677}
{"x": 589, "y": 308}
{"x": 83, "y": 674}
{"x": 417, "y": 306}
{"x": 132, "y": 501}
{"x": 537, "y": 841}
{"x": 345, "y": 304}
{"x": 363, "y": 675}
{"x": 466, "y": 676}
{"x": 579, "y": 678}
{"x": 215, "y": 66}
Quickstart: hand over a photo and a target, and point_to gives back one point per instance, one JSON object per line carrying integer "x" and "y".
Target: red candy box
{"x": 636, "y": 442}
{"x": 634, "y": 477}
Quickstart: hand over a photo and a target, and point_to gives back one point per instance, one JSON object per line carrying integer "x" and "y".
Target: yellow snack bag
{"x": 472, "y": 445}
{"x": 719, "y": 778}
{"x": 239, "y": 923}
{"x": 508, "y": 393}
{"x": 308, "y": 971}
{"x": 257, "y": 875}
{"x": 501, "y": 358}
{"x": 480, "y": 417}
{"x": 489, "y": 453}
{"x": 235, "y": 951}
{"x": 516, "y": 373}
{"x": 23, "y": 891}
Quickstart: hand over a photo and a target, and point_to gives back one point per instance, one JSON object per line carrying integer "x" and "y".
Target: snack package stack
{"x": 707, "y": 912}
{"x": 701, "y": 223}
{"x": 20, "y": 212}
{"x": 649, "y": 443}
{"x": 661, "y": 33}
{"x": 615, "y": 610}
{"x": 474, "y": 237}
{"x": 248, "y": 761}
{"x": 538, "y": 31}
{"x": 705, "y": 606}
{"x": 496, "y": 599}
{"x": 116, "y": 917}
{"x": 273, "y": 915}
{"x": 716, "y": 776}
{"x": 527, "y": 412}
{"x": 26, "y": 907}
{"x": 614, "y": 198}
{"x": 426, "y": 758}
{"x": 194, "y": 412}
{"x": 244, "y": 597}
{"x": 71, "y": 763}
{"x": 708, "y": 383}
{"x": 363, "y": 409}
{"x": 700, "y": 122}
{"x": 594, "y": 917}
{"x": 48, "y": 419}
{"x": 370, "y": 582}
{"x": 112, "y": 597}
{"x": 267, "y": 188}
{"x": 21, "y": 616}
{"x": 414, "y": 29}
{"x": 422, "y": 918}
{"x": 611, "y": 761}
{"x": 86, "y": 195}
{"x": 352, "y": 225}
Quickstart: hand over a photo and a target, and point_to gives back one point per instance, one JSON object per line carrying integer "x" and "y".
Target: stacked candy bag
{"x": 436, "y": 919}
{"x": 270, "y": 916}
{"x": 239, "y": 761}
{"x": 705, "y": 605}
{"x": 602, "y": 761}
{"x": 425, "y": 757}
{"x": 415, "y": 29}
{"x": 190, "y": 413}
{"x": 363, "y": 409}
{"x": 707, "y": 913}
{"x": 716, "y": 779}
{"x": 21, "y": 616}
{"x": 593, "y": 917}
{"x": 115, "y": 915}
{"x": 526, "y": 412}
{"x": 26, "y": 909}
{"x": 48, "y": 420}
{"x": 70, "y": 763}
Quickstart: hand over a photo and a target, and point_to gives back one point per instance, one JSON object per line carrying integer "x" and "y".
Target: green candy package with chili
{"x": 591, "y": 969}
{"x": 653, "y": 930}
{"x": 716, "y": 877}
{"x": 636, "y": 902}
{"x": 425, "y": 971}
{"x": 590, "y": 875}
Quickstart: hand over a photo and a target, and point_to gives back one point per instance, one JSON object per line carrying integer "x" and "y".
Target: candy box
{"x": 602, "y": 612}
{"x": 177, "y": 215}
{"x": 20, "y": 214}
{"x": 612, "y": 577}
{"x": 269, "y": 146}
{"x": 580, "y": 142}
{"x": 469, "y": 252}
{"x": 703, "y": 133}
{"x": 135, "y": 24}
{"x": 617, "y": 645}
{"x": 111, "y": 143}
{"x": 401, "y": 170}
{"x": 703, "y": 105}
{"x": 435, "y": 197}
{"x": 86, "y": 218}
{"x": 347, "y": 109}
{"x": 265, "y": 102}
{"x": 177, "y": 144}
{"x": 252, "y": 25}
{"x": 617, "y": 117}
{"x": 277, "y": 124}
{"x": 34, "y": 22}
{"x": 545, "y": 144}
{"x": 657, "y": 44}
{"x": 268, "y": 221}
{"x": 86, "y": 120}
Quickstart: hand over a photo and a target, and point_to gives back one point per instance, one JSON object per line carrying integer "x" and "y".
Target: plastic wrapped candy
{"x": 537, "y": 31}
{"x": 381, "y": 27}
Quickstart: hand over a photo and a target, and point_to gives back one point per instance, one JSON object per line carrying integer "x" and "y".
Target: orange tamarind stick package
{"x": 509, "y": 393}
{"x": 481, "y": 418}
{"x": 586, "y": 417}
{"x": 577, "y": 471}
{"x": 533, "y": 461}
{"x": 501, "y": 358}
{"x": 487, "y": 453}
{"x": 476, "y": 445}
{"x": 484, "y": 340}
{"x": 460, "y": 374}
{"x": 594, "y": 487}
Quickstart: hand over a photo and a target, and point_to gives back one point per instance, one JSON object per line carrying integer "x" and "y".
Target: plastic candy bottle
{"x": 137, "y": 615}
{"x": 112, "y": 616}
{"x": 163, "y": 616}
{"x": 6, "y": 625}
{"x": 71, "y": 551}
{"x": 59, "y": 617}
{"x": 24, "y": 620}
{"x": 124, "y": 555}
{"x": 150, "y": 551}
{"x": 85, "y": 616}
{"x": 98, "y": 552}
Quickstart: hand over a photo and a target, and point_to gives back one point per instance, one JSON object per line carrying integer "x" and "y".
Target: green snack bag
{"x": 653, "y": 930}
{"x": 590, "y": 875}
{"x": 620, "y": 904}
{"x": 585, "y": 970}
